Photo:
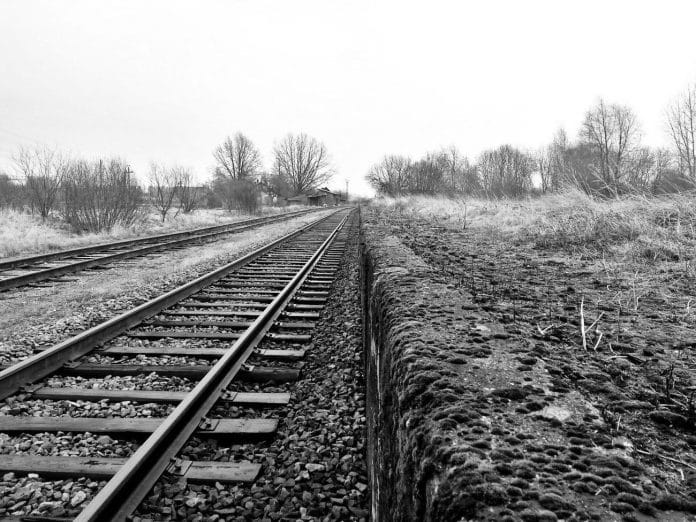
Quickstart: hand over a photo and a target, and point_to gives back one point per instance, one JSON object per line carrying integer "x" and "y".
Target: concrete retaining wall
{"x": 401, "y": 340}
{"x": 457, "y": 432}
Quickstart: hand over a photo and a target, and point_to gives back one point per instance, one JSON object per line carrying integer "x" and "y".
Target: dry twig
{"x": 582, "y": 323}
{"x": 598, "y": 340}
{"x": 543, "y": 331}
{"x": 584, "y": 331}
{"x": 665, "y": 457}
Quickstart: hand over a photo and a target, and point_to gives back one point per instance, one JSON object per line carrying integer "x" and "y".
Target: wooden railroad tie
{"x": 279, "y": 355}
{"x": 278, "y": 325}
{"x": 222, "y": 336}
{"x": 100, "y": 468}
{"x": 138, "y": 426}
{"x": 94, "y": 395}
{"x": 248, "y": 373}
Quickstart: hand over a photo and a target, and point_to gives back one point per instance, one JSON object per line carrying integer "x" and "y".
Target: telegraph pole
{"x": 346, "y": 190}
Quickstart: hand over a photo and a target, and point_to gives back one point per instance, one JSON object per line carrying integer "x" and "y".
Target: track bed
{"x": 115, "y": 397}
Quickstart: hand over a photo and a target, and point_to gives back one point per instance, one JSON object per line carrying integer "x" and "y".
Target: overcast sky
{"x": 167, "y": 81}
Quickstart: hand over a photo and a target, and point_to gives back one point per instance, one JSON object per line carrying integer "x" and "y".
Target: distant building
{"x": 302, "y": 199}
{"x": 323, "y": 197}
{"x": 318, "y": 198}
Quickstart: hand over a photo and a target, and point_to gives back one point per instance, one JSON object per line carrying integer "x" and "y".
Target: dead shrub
{"x": 97, "y": 196}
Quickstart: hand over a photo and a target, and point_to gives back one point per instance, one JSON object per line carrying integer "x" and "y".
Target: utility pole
{"x": 346, "y": 190}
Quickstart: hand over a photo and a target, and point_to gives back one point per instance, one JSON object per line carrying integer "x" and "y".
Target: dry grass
{"x": 24, "y": 234}
{"x": 643, "y": 248}
{"x": 658, "y": 228}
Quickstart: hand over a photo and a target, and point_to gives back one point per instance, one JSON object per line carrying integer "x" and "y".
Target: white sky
{"x": 167, "y": 81}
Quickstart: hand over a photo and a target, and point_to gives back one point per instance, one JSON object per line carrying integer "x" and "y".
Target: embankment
{"x": 466, "y": 420}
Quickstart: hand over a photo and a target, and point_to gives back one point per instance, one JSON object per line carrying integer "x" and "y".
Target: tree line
{"x": 97, "y": 195}
{"x": 92, "y": 196}
{"x": 300, "y": 163}
{"x": 607, "y": 159}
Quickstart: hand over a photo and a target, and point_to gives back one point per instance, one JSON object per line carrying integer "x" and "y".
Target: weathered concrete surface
{"x": 466, "y": 423}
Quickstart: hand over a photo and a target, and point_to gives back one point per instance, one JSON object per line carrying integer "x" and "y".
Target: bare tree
{"x": 453, "y": 161}
{"x": 643, "y": 170}
{"x": 390, "y": 176}
{"x": 552, "y": 163}
{"x": 237, "y": 158}
{"x": 189, "y": 197}
{"x": 302, "y": 161}
{"x": 613, "y": 133}
{"x": 558, "y": 160}
{"x": 459, "y": 175}
{"x": 543, "y": 164}
{"x": 43, "y": 170}
{"x": 164, "y": 185}
{"x": 681, "y": 119}
{"x": 505, "y": 171}
{"x": 427, "y": 175}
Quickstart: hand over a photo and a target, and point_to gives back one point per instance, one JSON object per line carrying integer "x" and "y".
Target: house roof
{"x": 323, "y": 191}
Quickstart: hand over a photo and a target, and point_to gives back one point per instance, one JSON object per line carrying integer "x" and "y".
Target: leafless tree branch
{"x": 303, "y": 162}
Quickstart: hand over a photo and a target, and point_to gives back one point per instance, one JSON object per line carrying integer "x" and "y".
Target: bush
{"x": 97, "y": 196}
{"x": 245, "y": 195}
{"x": 12, "y": 195}
{"x": 238, "y": 194}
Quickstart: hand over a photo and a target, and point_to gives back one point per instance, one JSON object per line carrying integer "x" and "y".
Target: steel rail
{"x": 48, "y": 361}
{"x": 32, "y": 277}
{"x": 22, "y": 280}
{"x": 124, "y": 492}
{"x": 62, "y": 254}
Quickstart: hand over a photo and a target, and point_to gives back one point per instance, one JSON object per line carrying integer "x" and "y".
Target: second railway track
{"x": 52, "y": 266}
{"x": 183, "y": 360}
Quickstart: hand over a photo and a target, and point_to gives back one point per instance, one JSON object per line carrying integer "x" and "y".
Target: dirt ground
{"x": 627, "y": 383}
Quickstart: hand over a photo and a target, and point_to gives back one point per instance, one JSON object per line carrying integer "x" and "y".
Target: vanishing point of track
{"x": 53, "y": 266}
{"x": 259, "y": 308}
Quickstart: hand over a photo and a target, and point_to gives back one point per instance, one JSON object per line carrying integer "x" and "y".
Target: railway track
{"x": 184, "y": 362}
{"x": 53, "y": 266}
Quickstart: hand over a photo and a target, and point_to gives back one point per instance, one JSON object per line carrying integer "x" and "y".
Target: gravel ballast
{"x": 314, "y": 466}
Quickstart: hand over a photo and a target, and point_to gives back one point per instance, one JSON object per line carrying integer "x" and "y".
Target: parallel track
{"x": 19, "y": 272}
{"x": 271, "y": 296}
